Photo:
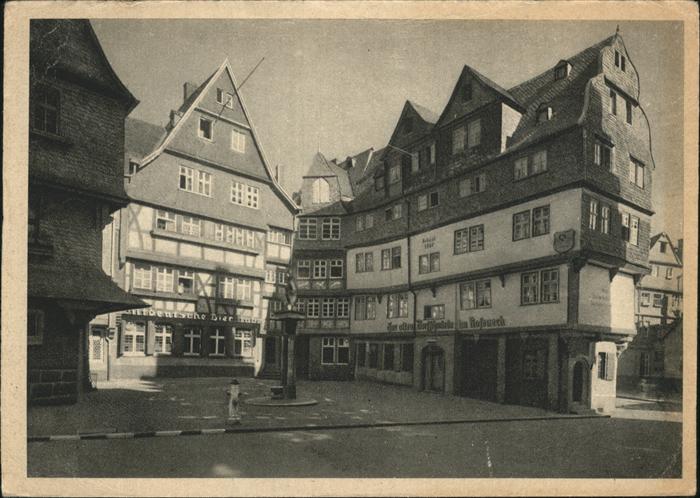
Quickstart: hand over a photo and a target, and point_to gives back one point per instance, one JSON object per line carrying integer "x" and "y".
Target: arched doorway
{"x": 433, "y": 368}
{"x": 579, "y": 383}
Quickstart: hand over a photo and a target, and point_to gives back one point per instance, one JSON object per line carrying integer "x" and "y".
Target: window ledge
{"x": 59, "y": 139}
{"x": 167, "y": 234}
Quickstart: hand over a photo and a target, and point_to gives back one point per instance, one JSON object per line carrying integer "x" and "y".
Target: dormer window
{"x": 620, "y": 60}
{"x": 320, "y": 191}
{"x": 561, "y": 70}
{"x": 467, "y": 92}
{"x": 544, "y": 113}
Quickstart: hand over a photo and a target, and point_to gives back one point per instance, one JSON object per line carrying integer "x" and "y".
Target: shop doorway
{"x": 479, "y": 368}
{"x": 433, "y": 369}
{"x": 579, "y": 383}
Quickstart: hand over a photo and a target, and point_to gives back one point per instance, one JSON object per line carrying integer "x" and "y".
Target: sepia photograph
{"x": 314, "y": 247}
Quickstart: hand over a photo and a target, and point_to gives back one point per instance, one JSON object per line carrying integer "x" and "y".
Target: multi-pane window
{"x": 474, "y": 185}
{"x": 539, "y": 286}
{"x": 281, "y": 277}
{"x": 658, "y": 300}
{"x": 330, "y": 229}
{"x": 206, "y": 128}
{"x": 165, "y": 220}
{"x": 360, "y": 223}
{"x": 45, "y": 109}
{"x": 238, "y": 193}
{"x": 165, "y": 280}
{"x": 428, "y": 263}
{"x": 521, "y": 225}
{"x": 270, "y": 276}
{"x": 428, "y": 201}
{"x": 364, "y": 262}
{"x": 142, "y": 277}
{"x": 603, "y": 155}
{"x": 540, "y": 221}
{"x": 391, "y": 258}
{"x": 320, "y": 268}
{"x": 630, "y": 228}
{"x": 134, "y": 337}
{"x": 237, "y": 141}
{"x": 191, "y": 226}
{"x": 397, "y": 306}
{"x": 308, "y": 229}
{"x": 636, "y": 173}
{"x": 474, "y": 133}
{"x": 185, "y": 282}
{"x": 528, "y": 166}
{"x": 327, "y": 307}
{"x": 279, "y": 237}
{"x": 193, "y": 341}
{"x": 313, "y": 307}
{"x": 243, "y": 343}
{"x": 217, "y": 342}
{"x": 196, "y": 181}
{"x": 529, "y": 288}
{"x": 227, "y": 287}
{"x": 224, "y": 98}
{"x": 245, "y": 195}
{"x": 392, "y": 213}
{"x": 369, "y": 220}
{"x": 619, "y": 60}
{"x": 669, "y": 273}
{"x": 244, "y": 289}
{"x": 593, "y": 214}
{"x": 469, "y": 239}
{"x": 343, "y": 307}
{"x": 475, "y": 294}
{"x": 336, "y": 268}
{"x": 163, "y": 338}
{"x": 550, "y": 286}
{"x": 335, "y": 351}
{"x": 605, "y": 219}
{"x": 365, "y": 307}
{"x": 434, "y": 312}
{"x": 252, "y": 196}
{"x": 645, "y": 299}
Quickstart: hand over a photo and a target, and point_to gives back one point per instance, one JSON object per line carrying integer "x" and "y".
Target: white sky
{"x": 342, "y": 84}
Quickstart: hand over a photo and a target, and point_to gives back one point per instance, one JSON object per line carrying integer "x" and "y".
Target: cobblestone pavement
{"x": 200, "y": 403}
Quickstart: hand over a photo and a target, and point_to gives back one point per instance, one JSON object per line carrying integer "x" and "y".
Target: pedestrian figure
{"x": 233, "y": 392}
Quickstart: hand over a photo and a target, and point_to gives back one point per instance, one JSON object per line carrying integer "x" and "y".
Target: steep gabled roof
{"x": 663, "y": 235}
{"x": 426, "y": 114}
{"x": 320, "y": 167}
{"x": 189, "y": 106}
{"x": 140, "y": 138}
{"x": 467, "y": 70}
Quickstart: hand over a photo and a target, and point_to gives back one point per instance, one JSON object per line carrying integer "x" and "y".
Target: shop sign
{"x": 564, "y": 241}
{"x": 428, "y": 242}
{"x": 433, "y": 325}
{"x": 212, "y": 317}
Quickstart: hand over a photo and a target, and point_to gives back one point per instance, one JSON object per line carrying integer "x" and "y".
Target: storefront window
{"x": 361, "y": 354}
{"x": 134, "y": 338}
{"x": 388, "y": 363}
{"x": 373, "y": 355}
{"x": 407, "y": 357}
{"x": 218, "y": 343}
{"x": 243, "y": 343}
{"x": 193, "y": 341}
{"x": 163, "y": 339}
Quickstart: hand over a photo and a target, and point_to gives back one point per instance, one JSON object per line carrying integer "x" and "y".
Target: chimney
{"x": 187, "y": 90}
{"x": 174, "y": 118}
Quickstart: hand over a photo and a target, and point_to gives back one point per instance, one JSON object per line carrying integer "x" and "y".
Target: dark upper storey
{"x": 77, "y": 111}
{"x": 563, "y": 111}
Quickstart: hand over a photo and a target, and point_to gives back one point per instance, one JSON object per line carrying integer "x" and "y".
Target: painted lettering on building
{"x": 212, "y": 317}
{"x": 471, "y": 323}
{"x": 428, "y": 242}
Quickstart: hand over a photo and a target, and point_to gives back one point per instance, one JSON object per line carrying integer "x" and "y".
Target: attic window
{"x": 561, "y": 70}
{"x": 467, "y": 92}
{"x": 320, "y": 191}
{"x": 224, "y": 98}
{"x": 619, "y": 60}
{"x": 544, "y": 113}
{"x": 133, "y": 167}
{"x": 205, "y": 128}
